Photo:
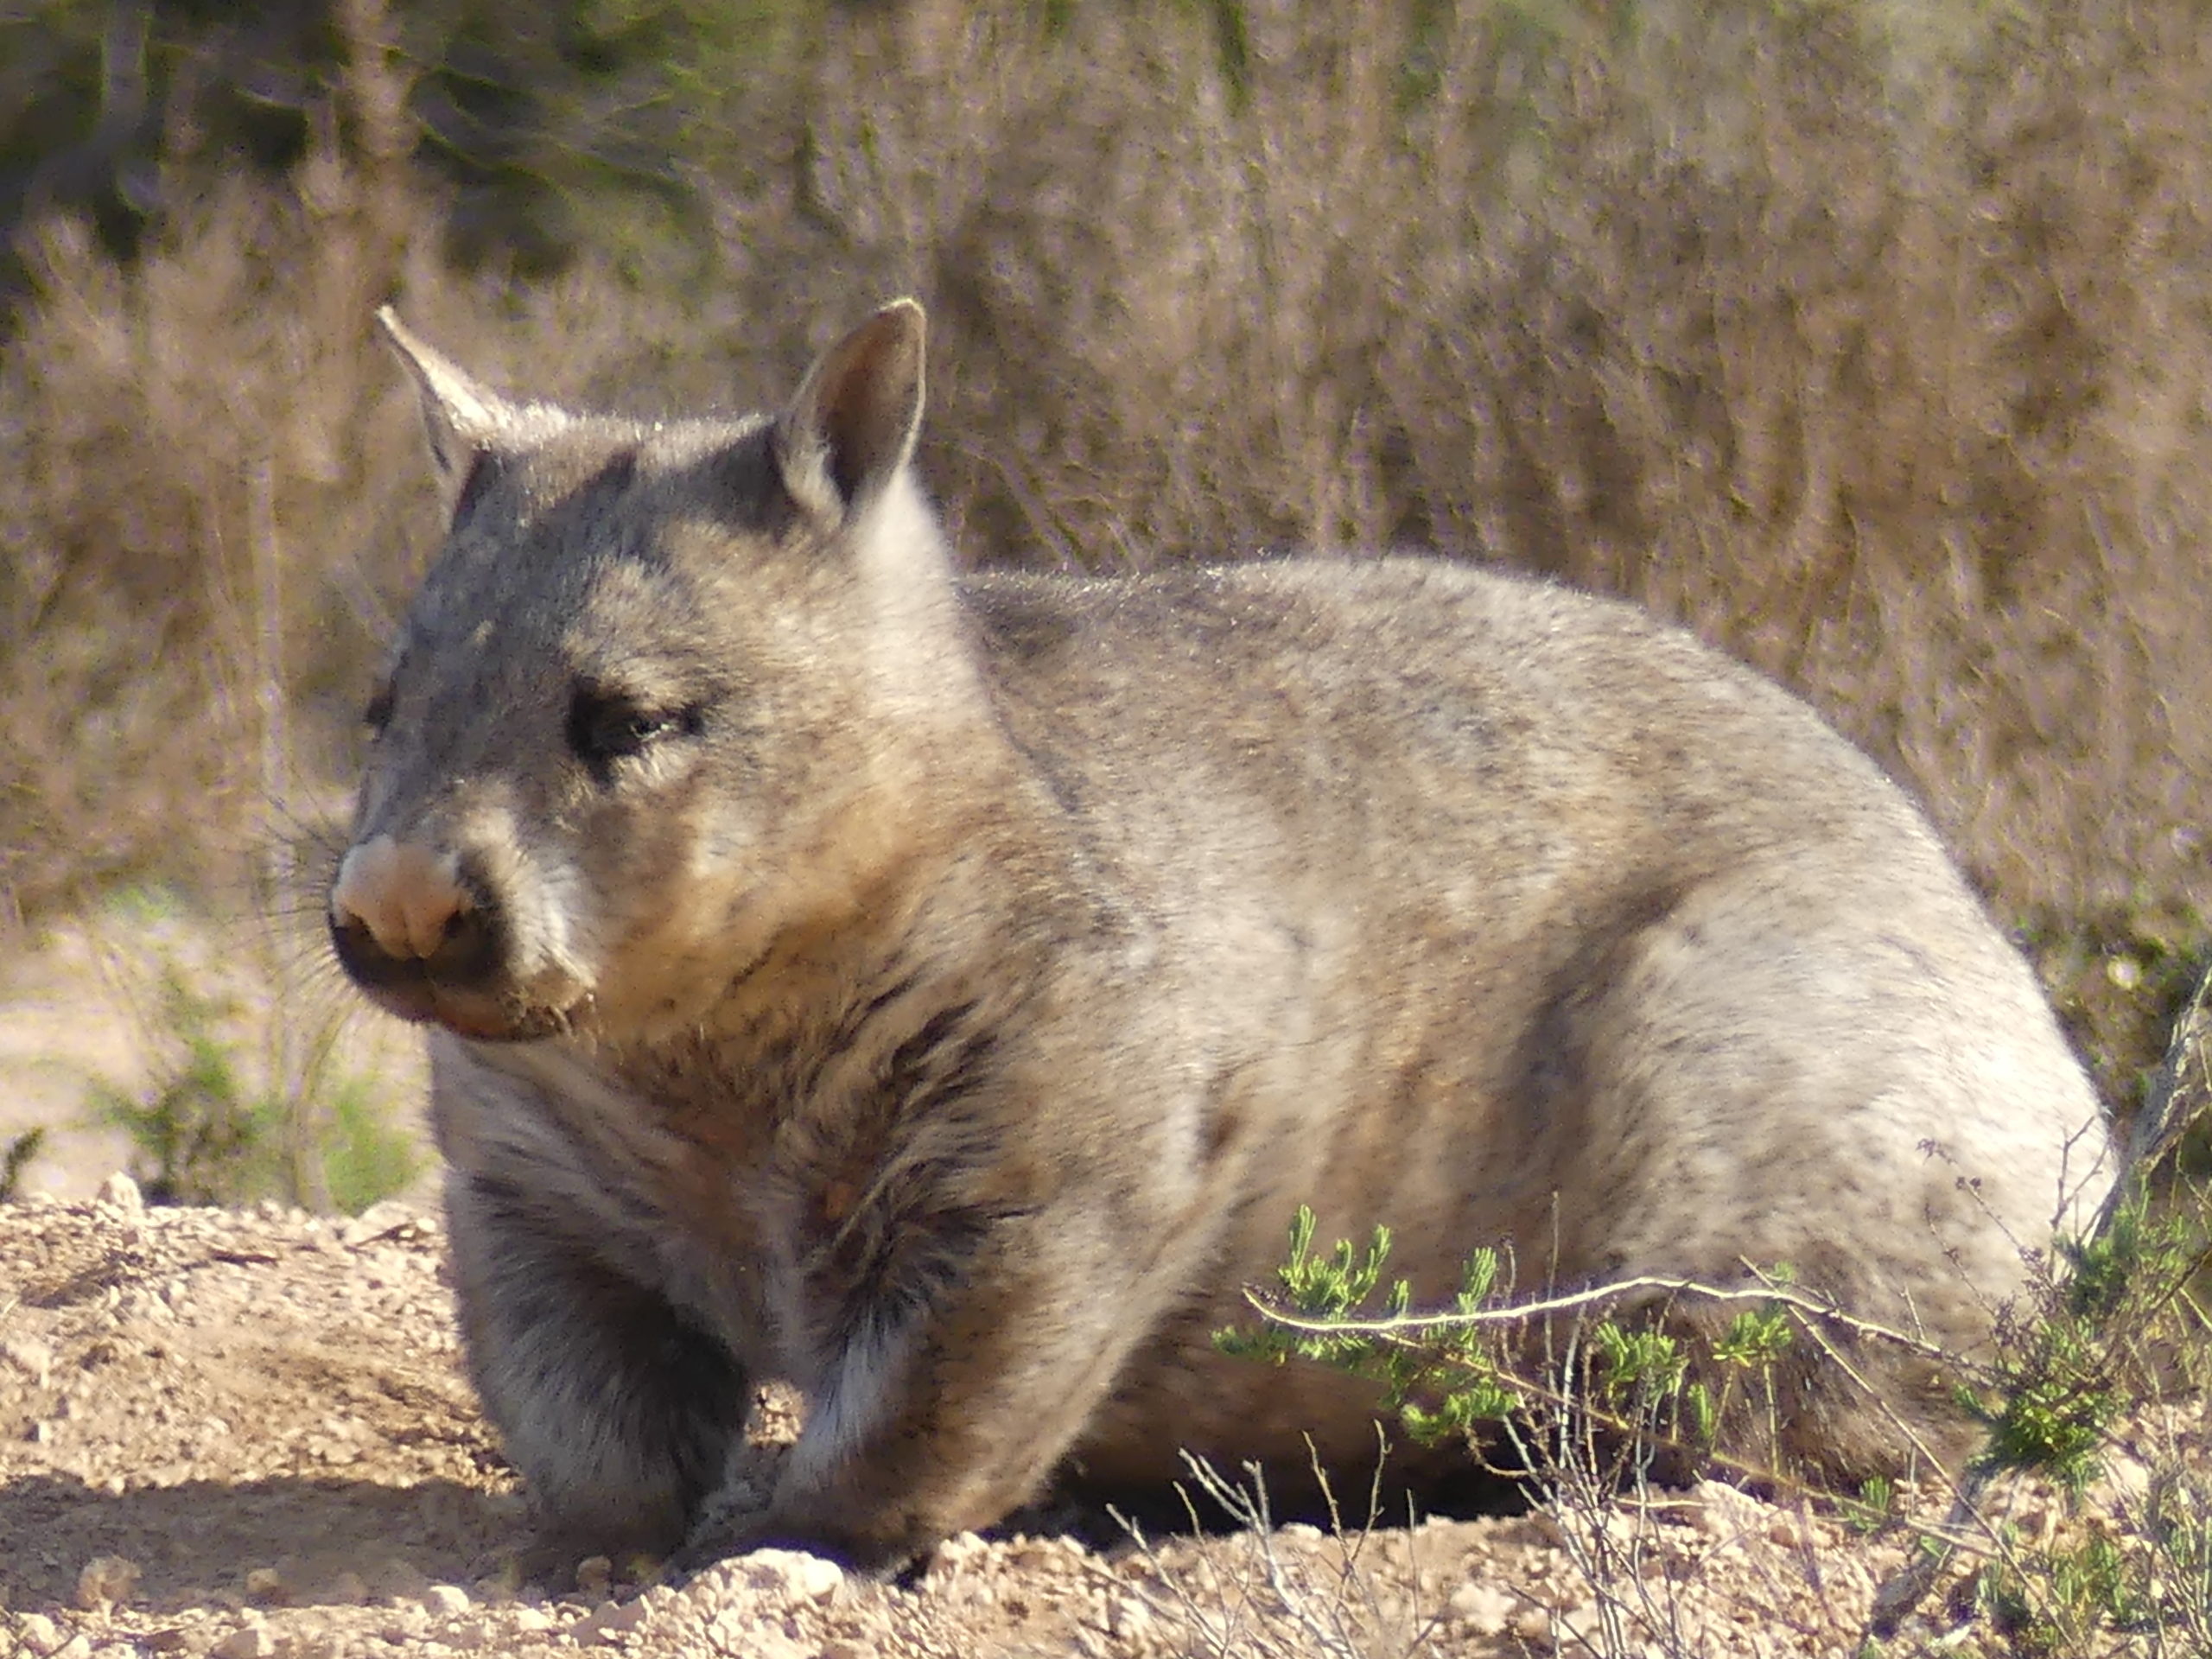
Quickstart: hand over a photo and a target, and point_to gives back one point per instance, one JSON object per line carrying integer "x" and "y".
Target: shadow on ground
{"x": 329, "y": 1540}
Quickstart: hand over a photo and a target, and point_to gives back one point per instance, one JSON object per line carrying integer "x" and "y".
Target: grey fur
{"x": 939, "y": 992}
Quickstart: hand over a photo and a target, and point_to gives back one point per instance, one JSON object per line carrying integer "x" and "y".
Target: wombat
{"x": 938, "y": 991}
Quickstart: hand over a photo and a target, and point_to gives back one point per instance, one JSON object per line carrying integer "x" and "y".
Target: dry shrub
{"x": 1869, "y": 342}
{"x": 191, "y": 449}
{"x": 1884, "y": 371}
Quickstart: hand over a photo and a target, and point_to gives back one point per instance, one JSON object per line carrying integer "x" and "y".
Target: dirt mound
{"x": 248, "y": 1434}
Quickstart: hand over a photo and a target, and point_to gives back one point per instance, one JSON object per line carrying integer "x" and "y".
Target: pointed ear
{"x": 466, "y": 420}
{"x": 851, "y": 426}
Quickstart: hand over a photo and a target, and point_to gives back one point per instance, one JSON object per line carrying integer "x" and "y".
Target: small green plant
{"x": 2136, "y": 1581}
{"x": 2127, "y": 1573}
{"x": 21, "y": 1149}
{"x": 1872, "y": 1510}
{"x": 364, "y": 1158}
{"x": 210, "y": 1130}
{"x": 1442, "y": 1379}
{"x": 1466, "y": 1372}
{"x": 2117, "y": 1334}
{"x": 201, "y": 1134}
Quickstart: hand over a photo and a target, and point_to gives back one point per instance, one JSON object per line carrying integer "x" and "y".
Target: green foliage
{"x": 1754, "y": 1341}
{"x": 1448, "y": 1388}
{"x": 22, "y": 1148}
{"x": 2114, "y": 1330}
{"x": 1872, "y": 1510}
{"x": 2053, "y": 1412}
{"x": 552, "y": 128}
{"x": 1640, "y": 1366}
{"x": 210, "y": 1131}
{"x": 2050, "y": 1404}
{"x": 1331, "y": 1288}
{"x": 202, "y": 1134}
{"x": 1464, "y": 1372}
{"x": 365, "y": 1158}
{"x": 2118, "y": 975}
{"x": 2058, "y": 1392}
{"x": 2096, "y": 1587}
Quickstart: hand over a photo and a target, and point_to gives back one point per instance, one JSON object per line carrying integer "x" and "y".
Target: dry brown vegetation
{"x": 1871, "y": 341}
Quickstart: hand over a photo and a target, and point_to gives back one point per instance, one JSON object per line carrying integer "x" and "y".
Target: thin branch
{"x": 1521, "y": 1312}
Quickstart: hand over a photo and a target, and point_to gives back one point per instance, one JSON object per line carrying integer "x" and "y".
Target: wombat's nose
{"x": 407, "y": 899}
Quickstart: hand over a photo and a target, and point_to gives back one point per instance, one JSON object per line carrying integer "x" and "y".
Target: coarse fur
{"x": 939, "y": 991}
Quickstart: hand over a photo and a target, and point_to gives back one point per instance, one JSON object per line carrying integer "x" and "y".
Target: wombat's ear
{"x": 851, "y": 426}
{"x": 466, "y": 420}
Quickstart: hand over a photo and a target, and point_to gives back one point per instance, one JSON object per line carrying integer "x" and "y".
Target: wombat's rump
{"x": 939, "y": 992}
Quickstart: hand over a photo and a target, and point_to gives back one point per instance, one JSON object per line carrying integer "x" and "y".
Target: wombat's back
{"x": 1532, "y": 921}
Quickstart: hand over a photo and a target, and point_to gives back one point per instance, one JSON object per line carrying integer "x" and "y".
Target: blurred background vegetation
{"x": 1871, "y": 340}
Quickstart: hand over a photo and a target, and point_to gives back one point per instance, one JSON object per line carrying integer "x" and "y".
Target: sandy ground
{"x": 245, "y": 1433}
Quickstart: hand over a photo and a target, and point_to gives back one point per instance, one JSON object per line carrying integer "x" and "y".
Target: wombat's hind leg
{"x": 618, "y": 1410}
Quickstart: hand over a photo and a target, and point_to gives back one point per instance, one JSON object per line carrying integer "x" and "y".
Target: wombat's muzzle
{"x": 421, "y": 934}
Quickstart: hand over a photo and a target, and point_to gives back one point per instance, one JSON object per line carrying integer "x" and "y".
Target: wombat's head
{"x": 659, "y": 705}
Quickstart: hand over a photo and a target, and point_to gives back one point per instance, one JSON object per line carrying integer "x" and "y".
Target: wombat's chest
{"x": 754, "y": 1221}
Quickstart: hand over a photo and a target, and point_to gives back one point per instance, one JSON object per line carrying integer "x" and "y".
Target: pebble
{"x": 119, "y": 1191}
{"x": 30, "y": 1356}
{"x": 793, "y": 1574}
{"x": 446, "y": 1598}
{"x": 105, "y": 1580}
{"x": 38, "y": 1633}
{"x": 2130, "y": 1479}
{"x": 399, "y": 1580}
{"x": 247, "y": 1642}
{"x": 731, "y": 1632}
{"x": 609, "y": 1622}
{"x": 1484, "y": 1606}
{"x": 1128, "y": 1616}
{"x": 1722, "y": 1513}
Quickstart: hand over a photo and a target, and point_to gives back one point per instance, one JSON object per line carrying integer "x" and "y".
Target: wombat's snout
{"x": 408, "y": 923}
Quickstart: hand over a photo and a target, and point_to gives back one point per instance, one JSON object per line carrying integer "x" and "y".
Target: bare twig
{"x": 1597, "y": 1295}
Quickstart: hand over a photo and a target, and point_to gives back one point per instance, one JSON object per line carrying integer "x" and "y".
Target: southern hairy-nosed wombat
{"x": 939, "y": 991}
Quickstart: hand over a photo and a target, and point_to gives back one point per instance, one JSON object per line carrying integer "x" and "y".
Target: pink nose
{"x": 405, "y": 895}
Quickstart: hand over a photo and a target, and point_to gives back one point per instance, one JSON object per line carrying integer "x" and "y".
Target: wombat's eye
{"x": 378, "y": 714}
{"x": 605, "y": 727}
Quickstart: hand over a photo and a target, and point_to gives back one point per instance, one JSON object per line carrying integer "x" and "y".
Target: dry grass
{"x": 1871, "y": 343}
